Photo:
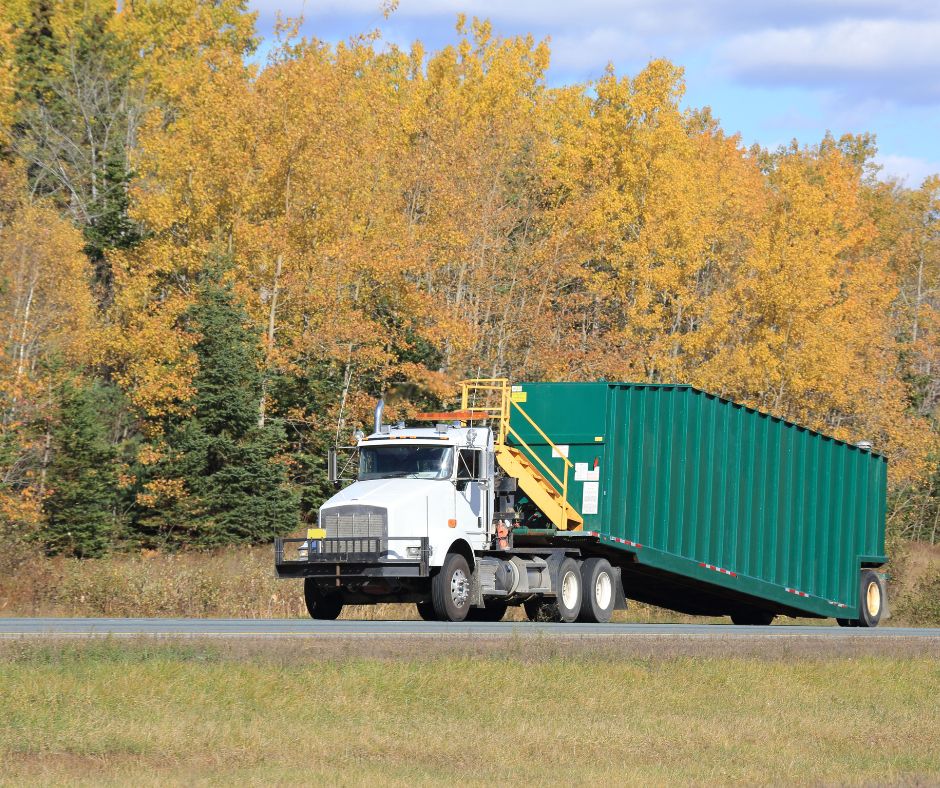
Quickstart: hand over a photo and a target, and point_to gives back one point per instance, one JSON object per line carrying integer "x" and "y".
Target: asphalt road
{"x": 248, "y": 628}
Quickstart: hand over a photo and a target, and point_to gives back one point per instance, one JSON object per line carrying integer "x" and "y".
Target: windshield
{"x": 405, "y": 462}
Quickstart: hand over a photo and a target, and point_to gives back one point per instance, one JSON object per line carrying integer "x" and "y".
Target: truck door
{"x": 472, "y": 488}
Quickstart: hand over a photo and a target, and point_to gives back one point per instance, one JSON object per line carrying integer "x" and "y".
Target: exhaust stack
{"x": 379, "y": 407}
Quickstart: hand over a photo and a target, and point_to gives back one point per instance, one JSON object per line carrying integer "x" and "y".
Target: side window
{"x": 469, "y": 464}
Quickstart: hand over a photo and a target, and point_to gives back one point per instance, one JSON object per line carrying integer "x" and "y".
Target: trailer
{"x": 571, "y": 498}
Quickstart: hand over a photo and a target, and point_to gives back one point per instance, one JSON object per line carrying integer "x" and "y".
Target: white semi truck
{"x": 431, "y": 517}
{"x": 567, "y": 498}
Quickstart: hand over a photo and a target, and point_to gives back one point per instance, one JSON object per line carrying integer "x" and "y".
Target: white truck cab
{"x": 433, "y": 482}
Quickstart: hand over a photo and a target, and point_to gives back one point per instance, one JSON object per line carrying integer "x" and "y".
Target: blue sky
{"x": 773, "y": 70}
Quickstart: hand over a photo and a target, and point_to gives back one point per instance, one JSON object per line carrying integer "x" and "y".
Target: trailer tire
{"x": 323, "y": 607}
{"x": 871, "y": 601}
{"x": 426, "y": 611}
{"x": 450, "y": 589}
{"x": 494, "y": 611}
{"x": 598, "y": 587}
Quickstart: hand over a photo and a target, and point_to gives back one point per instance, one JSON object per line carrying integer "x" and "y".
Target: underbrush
{"x": 240, "y": 583}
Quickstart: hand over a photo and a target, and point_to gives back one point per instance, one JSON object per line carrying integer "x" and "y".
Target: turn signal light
{"x": 451, "y": 523}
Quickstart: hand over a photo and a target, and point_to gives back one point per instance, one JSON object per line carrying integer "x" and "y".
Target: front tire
{"x": 450, "y": 589}
{"x": 323, "y": 607}
{"x": 598, "y": 581}
{"x": 426, "y": 611}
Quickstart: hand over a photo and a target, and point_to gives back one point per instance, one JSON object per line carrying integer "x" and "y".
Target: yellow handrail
{"x": 535, "y": 456}
{"x": 502, "y": 412}
{"x": 538, "y": 429}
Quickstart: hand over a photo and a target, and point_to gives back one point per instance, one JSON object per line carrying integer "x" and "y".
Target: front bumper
{"x": 350, "y": 557}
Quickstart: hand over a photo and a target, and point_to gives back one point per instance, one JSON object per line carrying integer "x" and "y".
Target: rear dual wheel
{"x": 566, "y": 605}
{"x": 599, "y": 582}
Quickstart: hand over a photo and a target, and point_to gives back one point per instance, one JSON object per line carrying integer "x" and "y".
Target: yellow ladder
{"x": 492, "y": 398}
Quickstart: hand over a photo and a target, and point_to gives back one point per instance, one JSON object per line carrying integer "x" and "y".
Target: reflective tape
{"x": 719, "y": 569}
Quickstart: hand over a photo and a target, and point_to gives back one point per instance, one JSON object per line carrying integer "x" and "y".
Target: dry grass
{"x": 532, "y": 711}
{"x": 240, "y": 583}
{"x": 232, "y": 583}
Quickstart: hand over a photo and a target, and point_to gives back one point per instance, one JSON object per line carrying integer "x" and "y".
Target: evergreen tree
{"x": 235, "y": 488}
{"x": 81, "y": 477}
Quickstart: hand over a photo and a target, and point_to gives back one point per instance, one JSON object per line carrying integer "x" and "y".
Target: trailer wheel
{"x": 494, "y": 611}
{"x": 753, "y": 618}
{"x": 426, "y": 611}
{"x": 871, "y": 603}
{"x": 450, "y": 589}
{"x": 324, "y": 607}
{"x": 597, "y": 582}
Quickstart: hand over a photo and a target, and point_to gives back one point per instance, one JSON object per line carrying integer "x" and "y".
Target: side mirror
{"x": 342, "y": 464}
{"x": 331, "y": 468}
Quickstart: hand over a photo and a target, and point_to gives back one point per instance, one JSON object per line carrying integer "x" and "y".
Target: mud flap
{"x": 620, "y": 601}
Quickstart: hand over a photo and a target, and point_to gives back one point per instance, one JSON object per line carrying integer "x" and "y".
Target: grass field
{"x": 528, "y": 711}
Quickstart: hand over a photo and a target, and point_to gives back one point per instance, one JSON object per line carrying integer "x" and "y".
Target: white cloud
{"x": 908, "y": 169}
{"x": 865, "y": 58}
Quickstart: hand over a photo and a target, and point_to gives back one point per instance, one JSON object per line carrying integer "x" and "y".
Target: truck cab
{"x": 414, "y": 484}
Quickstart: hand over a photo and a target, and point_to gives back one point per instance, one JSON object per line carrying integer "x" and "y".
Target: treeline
{"x": 210, "y": 269}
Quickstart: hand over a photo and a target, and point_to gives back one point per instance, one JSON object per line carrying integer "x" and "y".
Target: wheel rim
{"x": 569, "y": 590}
{"x": 459, "y": 588}
{"x": 873, "y": 599}
{"x": 603, "y": 590}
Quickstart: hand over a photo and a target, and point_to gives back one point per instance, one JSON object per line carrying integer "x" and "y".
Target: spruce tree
{"x": 81, "y": 477}
{"x": 236, "y": 486}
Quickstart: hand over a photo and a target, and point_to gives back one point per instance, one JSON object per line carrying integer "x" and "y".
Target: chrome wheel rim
{"x": 603, "y": 590}
{"x": 569, "y": 590}
{"x": 459, "y": 588}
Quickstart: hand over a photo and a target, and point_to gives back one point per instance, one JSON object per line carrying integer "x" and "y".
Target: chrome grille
{"x": 354, "y": 522}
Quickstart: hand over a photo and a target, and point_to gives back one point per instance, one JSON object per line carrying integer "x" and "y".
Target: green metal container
{"x": 714, "y": 504}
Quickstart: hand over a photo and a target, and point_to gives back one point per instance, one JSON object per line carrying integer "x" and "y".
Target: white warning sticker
{"x": 589, "y": 500}
{"x": 561, "y": 450}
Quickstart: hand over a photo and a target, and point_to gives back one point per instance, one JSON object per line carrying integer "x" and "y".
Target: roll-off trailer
{"x": 570, "y": 498}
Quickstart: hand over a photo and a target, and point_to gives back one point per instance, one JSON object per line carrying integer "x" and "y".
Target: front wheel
{"x": 450, "y": 589}
{"x": 323, "y": 607}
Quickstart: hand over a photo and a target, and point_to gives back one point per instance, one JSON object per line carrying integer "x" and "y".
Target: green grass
{"x": 524, "y": 711}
